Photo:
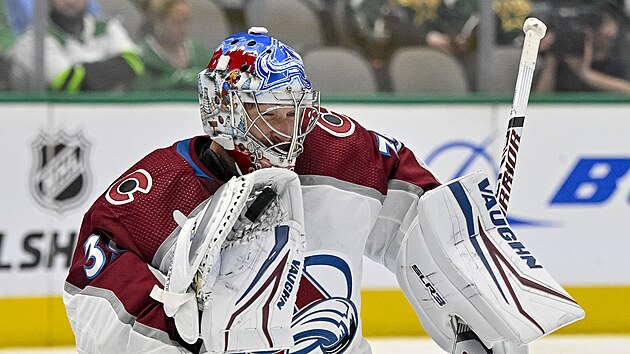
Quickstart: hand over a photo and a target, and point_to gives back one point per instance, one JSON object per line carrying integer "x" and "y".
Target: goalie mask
{"x": 256, "y": 100}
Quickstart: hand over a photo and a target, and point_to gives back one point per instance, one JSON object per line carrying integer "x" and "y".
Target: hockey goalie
{"x": 251, "y": 237}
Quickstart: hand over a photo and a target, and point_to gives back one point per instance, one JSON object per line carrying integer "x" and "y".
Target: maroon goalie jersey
{"x": 347, "y": 173}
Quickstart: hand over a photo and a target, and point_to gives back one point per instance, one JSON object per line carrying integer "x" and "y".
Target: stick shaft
{"x": 522, "y": 89}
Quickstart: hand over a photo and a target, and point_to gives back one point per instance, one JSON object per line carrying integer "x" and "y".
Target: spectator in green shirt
{"x": 7, "y": 38}
{"x": 172, "y": 59}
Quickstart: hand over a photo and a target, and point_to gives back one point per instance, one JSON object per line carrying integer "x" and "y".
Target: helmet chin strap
{"x": 223, "y": 162}
{"x": 226, "y": 141}
{"x": 241, "y": 160}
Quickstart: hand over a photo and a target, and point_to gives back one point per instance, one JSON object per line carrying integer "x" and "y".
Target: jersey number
{"x": 94, "y": 257}
{"x": 386, "y": 144}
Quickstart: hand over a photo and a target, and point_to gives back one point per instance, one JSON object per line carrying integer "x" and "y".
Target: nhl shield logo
{"x": 60, "y": 179}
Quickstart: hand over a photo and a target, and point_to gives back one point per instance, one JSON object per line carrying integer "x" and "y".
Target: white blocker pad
{"x": 250, "y": 306}
{"x": 461, "y": 258}
{"x": 197, "y": 249}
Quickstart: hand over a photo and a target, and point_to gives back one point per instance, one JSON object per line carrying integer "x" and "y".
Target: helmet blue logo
{"x": 280, "y": 66}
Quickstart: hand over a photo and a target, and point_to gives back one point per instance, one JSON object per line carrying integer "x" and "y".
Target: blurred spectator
{"x": 7, "y": 38}
{"x": 172, "y": 60}
{"x": 81, "y": 52}
{"x": 328, "y": 16}
{"x": 382, "y": 26}
{"x": 235, "y": 11}
{"x": 21, "y": 12}
{"x": 511, "y": 15}
{"x": 447, "y": 25}
{"x": 581, "y": 51}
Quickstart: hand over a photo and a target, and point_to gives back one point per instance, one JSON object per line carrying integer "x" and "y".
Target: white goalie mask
{"x": 256, "y": 101}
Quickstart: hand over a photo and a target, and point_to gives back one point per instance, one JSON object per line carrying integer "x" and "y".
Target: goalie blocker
{"x": 461, "y": 258}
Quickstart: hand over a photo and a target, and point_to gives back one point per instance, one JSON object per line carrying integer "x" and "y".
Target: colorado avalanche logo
{"x": 279, "y": 66}
{"x": 123, "y": 190}
{"x": 335, "y": 123}
{"x": 325, "y": 318}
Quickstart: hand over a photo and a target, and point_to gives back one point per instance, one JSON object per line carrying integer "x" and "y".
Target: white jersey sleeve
{"x": 97, "y": 316}
{"x": 392, "y": 224}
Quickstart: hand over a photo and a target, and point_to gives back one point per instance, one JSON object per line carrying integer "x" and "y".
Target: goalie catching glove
{"x": 460, "y": 258}
{"x": 239, "y": 261}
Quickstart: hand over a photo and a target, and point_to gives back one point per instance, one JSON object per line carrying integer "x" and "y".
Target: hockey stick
{"x": 534, "y": 31}
{"x": 466, "y": 341}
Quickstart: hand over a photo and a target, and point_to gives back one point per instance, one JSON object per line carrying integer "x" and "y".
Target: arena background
{"x": 570, "y": 201}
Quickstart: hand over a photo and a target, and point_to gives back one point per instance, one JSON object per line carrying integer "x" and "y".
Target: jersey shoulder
{"x": 342, "y": 148}
{"x": 136, "y": 210}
